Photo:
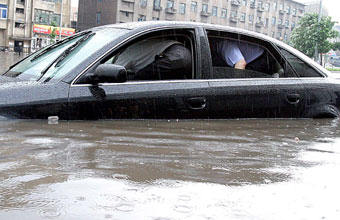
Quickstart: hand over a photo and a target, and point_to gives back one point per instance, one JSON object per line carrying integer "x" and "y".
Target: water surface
{"x": 227, "y": 169}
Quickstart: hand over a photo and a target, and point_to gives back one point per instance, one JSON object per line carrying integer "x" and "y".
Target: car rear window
{"x": 301, "y": 68}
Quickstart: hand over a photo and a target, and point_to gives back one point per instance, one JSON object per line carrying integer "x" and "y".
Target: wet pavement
{"x": 146, "y": 169}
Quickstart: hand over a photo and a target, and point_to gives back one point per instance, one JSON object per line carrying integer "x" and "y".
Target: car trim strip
{"x": 194, "y": 80}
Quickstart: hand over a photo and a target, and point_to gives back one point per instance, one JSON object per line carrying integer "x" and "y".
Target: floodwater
{"x": 170, "y": 170}
{"x": 227, "y": 169}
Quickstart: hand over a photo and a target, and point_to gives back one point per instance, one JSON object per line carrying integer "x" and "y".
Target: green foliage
{"x": 333, "y": 69}
{"x": 336, "y": 46}
{"x": 53, "y": 31}
{"x": 309, "y": 32}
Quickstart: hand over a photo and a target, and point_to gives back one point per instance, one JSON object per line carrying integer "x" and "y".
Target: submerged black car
{"x": 82, "y": 78}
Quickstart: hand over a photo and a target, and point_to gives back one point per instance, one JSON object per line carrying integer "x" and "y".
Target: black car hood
{"x": 11, "y": 82}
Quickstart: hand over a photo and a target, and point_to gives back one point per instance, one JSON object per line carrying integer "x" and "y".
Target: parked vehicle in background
{"x": 3, "y": 49}
{"x": 335, "y": 61}
{"x": 78, "y": 78}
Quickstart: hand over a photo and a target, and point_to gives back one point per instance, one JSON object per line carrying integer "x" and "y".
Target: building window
{"x": 100, "y": 0}
{"x": 19, "y": 25}
{"x": 288, "y": 10}
{"x": 98, "y": 17}
{"x": 194, "y": 6}
{"x": 243, "y": 17}
{"x": 233, "y": 14}
{"x": 294, "y": 11}
{"x": 170, "y": 4}
{"x": 20, "y": 10}
{"x": 46, "y": 17}
{"x": 251, "y": 19}
{"x": 279, "y": 35}
{"x": 223, "y": 13}
{"x": 155, "y": 19}
{"x": 281, "y": 7}
{"x": 182, "y": 7}
{"x": 285, "y": 38}
{"x": 273, "y": 20}
{"x": 3, "y": 11}
{"x": 205, "y": 8}
{"x": 143, "y": 3}
{"x": 275, "y": 6}
{"x": 293, "y": 25}
{"x": 157, "y": 3}
{"x": 252, "y": 3}
{"x": 273, "y": 34}
{"x": 266, "y": 22}
{"x": 244, "y": 2}
{"x": 267, "y": 7}
{"x": 280, "y": 21}
{"x": 301, "y": 11}
{"x": 258, "y": 19}
{"x": 214, "y": 11}
{"x": 259, "y": 4}
{"x": 287, "y": 23}
{"x": 141, "y": 18}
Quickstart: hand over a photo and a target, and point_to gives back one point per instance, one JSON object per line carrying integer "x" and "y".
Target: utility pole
{"x": 316, "y": 54}
{"x": 61, "y": 19}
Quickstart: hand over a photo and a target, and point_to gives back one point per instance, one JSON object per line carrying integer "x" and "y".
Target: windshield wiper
{"x": 58, "y": 43}
{"x": 66, "y": 53}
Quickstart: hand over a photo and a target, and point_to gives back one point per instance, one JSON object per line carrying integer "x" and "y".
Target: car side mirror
{"x": 109, "y": 73}
{"x": 105, "y": 73}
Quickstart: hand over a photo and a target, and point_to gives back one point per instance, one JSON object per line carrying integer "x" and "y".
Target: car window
{"x": 161, "y": 55}
{"x": 32, "y": 67}
{"x": 301, "y": 68}
{"x": 238, "y": 56}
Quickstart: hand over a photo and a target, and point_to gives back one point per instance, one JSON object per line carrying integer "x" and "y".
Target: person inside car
{"x": 237, "y": 54}
{"x": 242, "y": 55}
{"x": 155, "y": 59}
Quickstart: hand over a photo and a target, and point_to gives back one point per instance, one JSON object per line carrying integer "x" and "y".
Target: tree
{"x": 53, "y": 31}
{"x": 309, "y": 33}
{"x": 336, "y": 46}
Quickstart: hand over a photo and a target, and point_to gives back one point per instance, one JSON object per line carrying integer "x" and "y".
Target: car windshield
{"x": 33, "y": 66}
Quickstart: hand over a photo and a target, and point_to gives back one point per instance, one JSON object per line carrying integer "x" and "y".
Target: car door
{"x": 111, "y": 101}
{"x": 144, "y": 98}
{"x": 321, "y": 99}
{"x": 253, "y": 93}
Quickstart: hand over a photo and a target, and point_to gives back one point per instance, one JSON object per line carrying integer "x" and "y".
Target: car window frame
{"x": 132, "y": 38}
{"x": 279, "y": 48}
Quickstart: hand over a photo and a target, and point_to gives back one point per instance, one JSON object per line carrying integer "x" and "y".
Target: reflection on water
{"x": 234, "y": 169}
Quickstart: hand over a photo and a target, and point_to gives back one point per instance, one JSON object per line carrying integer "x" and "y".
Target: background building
{"x": 74, "y": 17}
{"x": 27, "y": 24}
{"x": 274, "y": 18}
{"x": 314, "y": 7}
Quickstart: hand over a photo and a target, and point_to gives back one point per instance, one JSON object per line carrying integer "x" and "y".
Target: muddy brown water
{"x": 162, "y": 170}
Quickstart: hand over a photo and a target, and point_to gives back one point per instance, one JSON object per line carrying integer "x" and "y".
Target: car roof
{"x": 153, "y": 24}
{"x": 185, "y": 24}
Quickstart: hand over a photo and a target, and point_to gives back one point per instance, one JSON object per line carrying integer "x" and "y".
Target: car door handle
{"x": 293, "y": 98}
{"x": 197, "y": 103}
